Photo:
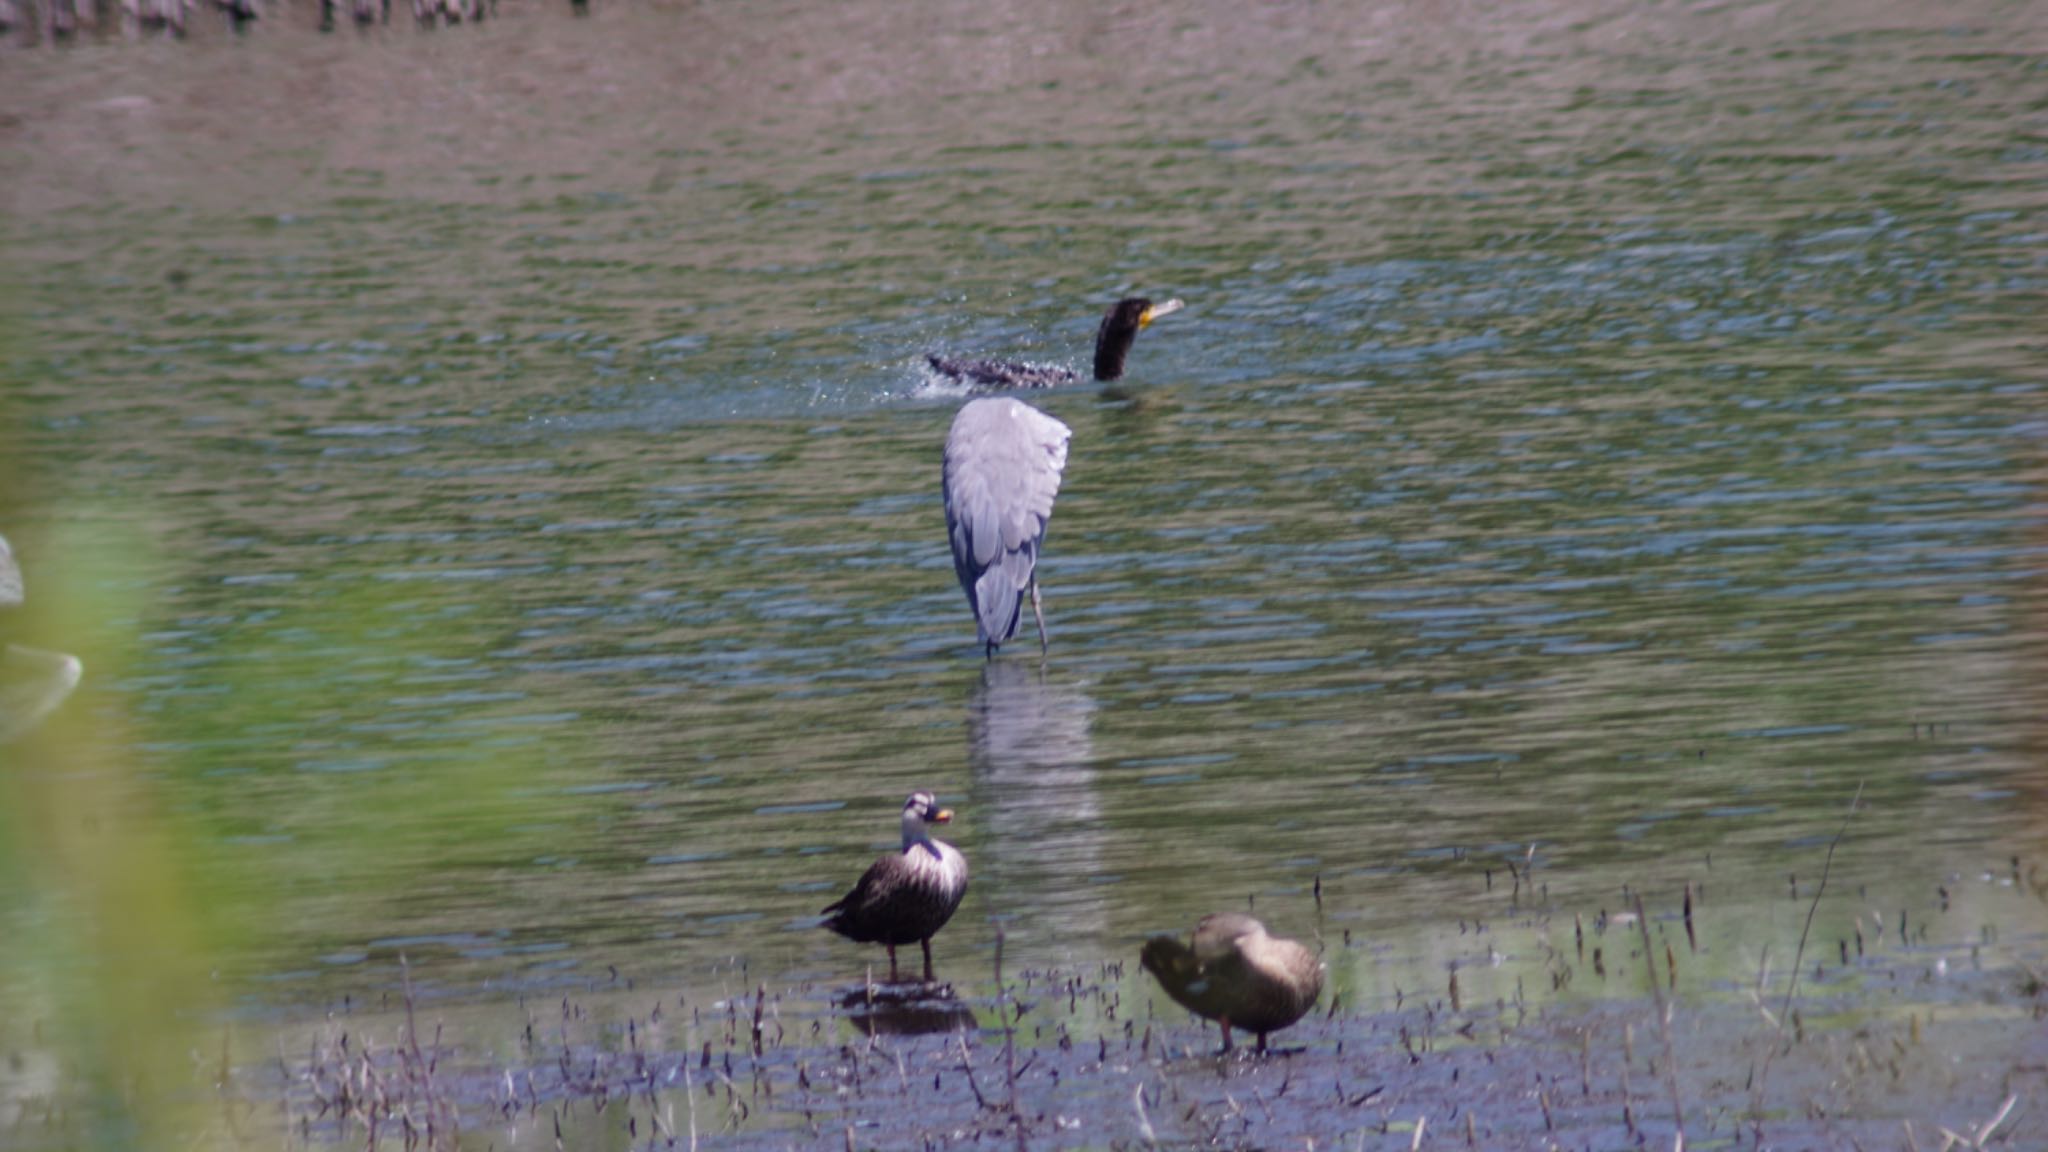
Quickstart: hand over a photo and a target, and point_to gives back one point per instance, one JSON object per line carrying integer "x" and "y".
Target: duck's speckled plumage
{"x": 905, "y": 897}
{"x": 1236, "y": 974}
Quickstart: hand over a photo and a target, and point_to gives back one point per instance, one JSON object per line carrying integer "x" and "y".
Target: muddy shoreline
{"x": 1910, "y": 1020}
{"x": 1556, "y": 1043}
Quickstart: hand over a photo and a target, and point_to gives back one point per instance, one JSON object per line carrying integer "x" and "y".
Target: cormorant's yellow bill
{"x": 1146, "y": 318}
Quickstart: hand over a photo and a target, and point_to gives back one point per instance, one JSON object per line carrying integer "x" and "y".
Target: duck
{"x": 1236, "y": 973}
{"x": 1113, "y": 339}
{"x": 1001, "y": 473}
{"x": 907, "y": 896}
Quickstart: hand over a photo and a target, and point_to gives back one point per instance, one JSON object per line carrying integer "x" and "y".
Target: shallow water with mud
{"x": 1545, "y": 1033}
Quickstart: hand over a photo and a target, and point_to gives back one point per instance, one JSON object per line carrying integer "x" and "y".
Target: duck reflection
{"x": 1031, "y": 753}
{"x": 906, "y": 1010}
{"x": 33, "y": 682}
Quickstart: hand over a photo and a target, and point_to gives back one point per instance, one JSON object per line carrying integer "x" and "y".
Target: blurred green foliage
{"x": 130, "y": 901}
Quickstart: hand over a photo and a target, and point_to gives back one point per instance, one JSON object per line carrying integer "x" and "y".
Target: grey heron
{"x": 1002, "y": 471}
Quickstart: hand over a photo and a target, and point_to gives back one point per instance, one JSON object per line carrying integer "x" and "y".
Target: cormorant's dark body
{"x": 1120, "y": 328}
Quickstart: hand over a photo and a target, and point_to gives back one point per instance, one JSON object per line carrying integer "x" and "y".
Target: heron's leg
{"x": 927, "y": 942}
{"x": 892, "y": 962}
{"x": 1038, "y": 610}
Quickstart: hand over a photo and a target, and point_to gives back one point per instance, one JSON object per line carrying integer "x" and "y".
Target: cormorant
{"x": 1120, "y": 327}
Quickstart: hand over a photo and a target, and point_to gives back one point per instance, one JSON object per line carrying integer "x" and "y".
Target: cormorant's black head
{"x": 1120, "y": 326}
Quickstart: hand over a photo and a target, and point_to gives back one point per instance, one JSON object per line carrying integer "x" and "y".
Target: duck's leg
{"x": 1262, "y": 1043}
{"x": 927, "y": 942}
{"x": 1225, "y": 1022}
{"x": 1038, "y": 610}
{"x": 892, "y": 962}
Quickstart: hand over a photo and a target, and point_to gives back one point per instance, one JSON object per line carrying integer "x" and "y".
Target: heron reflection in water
{"x": 33, "y": 682}
{"x": 1031, "y": 759}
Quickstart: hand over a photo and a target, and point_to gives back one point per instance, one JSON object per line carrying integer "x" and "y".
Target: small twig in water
{"x": 1144, "y": 1122}
{"x": 1009, "y": 1016}
{"x": 1756, "y": 1095}
{"x": 1664, "y": 1020}
{"x": 1982, "y": 1134}
{"x": 1691, "y": 941}
{"x": 690, "y": 1087}
{"x": 967, "y": 1066}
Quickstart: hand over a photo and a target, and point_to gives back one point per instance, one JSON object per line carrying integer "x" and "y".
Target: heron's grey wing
{"x": 1002, "y": 472}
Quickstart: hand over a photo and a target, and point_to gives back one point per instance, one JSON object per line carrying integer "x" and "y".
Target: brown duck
{"x": 905, "y": 897}
{"x": 1237, "y": 975}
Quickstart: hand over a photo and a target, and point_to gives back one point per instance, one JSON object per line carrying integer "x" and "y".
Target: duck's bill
{"x": 945, "y": 816}
{"x": 1158, "y": 310}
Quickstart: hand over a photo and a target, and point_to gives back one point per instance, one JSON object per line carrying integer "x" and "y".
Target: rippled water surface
{"x": 1599, "y": 439}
